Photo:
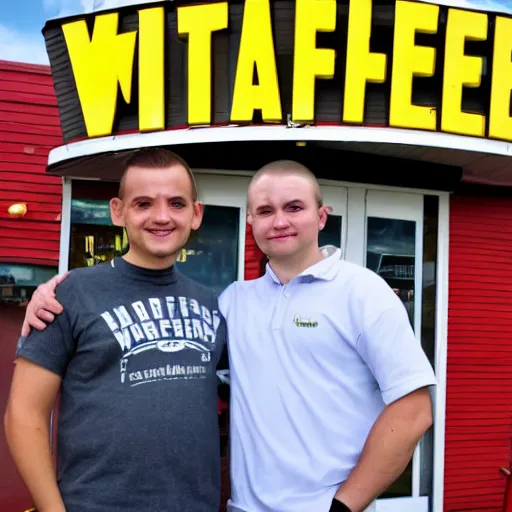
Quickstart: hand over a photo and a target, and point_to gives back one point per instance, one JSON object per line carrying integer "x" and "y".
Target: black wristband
{"x": 338, "y": 506}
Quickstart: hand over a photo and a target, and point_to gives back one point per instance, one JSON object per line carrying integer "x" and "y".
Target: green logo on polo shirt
{"x": 304, "y": 322}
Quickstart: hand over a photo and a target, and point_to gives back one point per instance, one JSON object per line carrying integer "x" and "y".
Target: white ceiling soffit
{"x": 482, "y": 160}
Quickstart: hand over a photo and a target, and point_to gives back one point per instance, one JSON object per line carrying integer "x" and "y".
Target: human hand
{"x": 43, "y": 305}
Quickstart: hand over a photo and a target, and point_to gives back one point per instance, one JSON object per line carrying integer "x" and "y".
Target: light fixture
{"x": 300, "y": 143}
{"x": 17, "y": 209}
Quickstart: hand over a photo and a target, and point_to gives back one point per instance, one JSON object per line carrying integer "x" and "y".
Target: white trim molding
{"x": 65, "y": 225}
{"x": 441, "y": 354}
{"x": 273, "y": 133}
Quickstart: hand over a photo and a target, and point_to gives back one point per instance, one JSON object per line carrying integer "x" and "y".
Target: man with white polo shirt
{"x": 328, "y": 383}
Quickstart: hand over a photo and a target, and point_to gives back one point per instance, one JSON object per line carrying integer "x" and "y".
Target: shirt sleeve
{"x": 390, "y": 348}
{"x": 223, "y": 381}
{"x": 223, "y": 374}
{"x": 53, "y": 347}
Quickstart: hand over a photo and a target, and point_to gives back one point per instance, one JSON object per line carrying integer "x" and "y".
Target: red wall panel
{"x": 14, "y": 496}
{"x": 479, "y": 388}
{"x": 29, "y": 129}
{"x": 253, "y": 256}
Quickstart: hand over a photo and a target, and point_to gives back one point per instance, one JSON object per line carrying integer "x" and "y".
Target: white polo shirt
{"x": 313, "y": 364}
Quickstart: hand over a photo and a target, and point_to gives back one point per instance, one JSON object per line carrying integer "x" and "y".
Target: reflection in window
{"x": 210, "y": 256}
{"x": 90, "y": 211}
{"x": 93, "y": 237}
{"x": 331, "y": 234}
{"x": 18, "y": 282}
{"x": 390, "y": 253}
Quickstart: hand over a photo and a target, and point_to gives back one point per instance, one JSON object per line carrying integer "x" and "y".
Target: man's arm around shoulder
{"x": 33, "y": 393}
{"x": 43, "y": 306}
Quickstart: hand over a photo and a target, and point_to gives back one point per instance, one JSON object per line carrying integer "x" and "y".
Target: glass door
{"x": 334, "y": 232}
{"x": 214, "y": 255}
{"x": 388, "y": 239}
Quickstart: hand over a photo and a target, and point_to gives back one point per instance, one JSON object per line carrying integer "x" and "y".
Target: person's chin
{"x": 163, "y": 252}
{"x": 282, "y": 252}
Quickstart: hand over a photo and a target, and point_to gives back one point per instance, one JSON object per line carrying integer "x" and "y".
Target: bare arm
{"x": 43, "y": 305}
{"x": 33, "y": 393}
{"x": 388, "y": 449}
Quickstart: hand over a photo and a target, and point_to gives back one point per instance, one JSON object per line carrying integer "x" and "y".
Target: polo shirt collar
{"x": 326, "y": 269}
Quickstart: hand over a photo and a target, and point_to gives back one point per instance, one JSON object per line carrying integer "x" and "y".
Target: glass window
{"x": 331, "y": 234}
{"x": 211, "y": 255}
{"x": 90, "y": 211}
{"x": 18, "y": 282}
{"x": 390, "y": 253}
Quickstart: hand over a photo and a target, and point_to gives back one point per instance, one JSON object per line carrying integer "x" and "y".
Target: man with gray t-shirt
{"x": 134, "y": 354}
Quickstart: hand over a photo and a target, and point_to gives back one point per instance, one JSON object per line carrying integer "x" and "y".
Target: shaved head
{"x": 287, "y": 168}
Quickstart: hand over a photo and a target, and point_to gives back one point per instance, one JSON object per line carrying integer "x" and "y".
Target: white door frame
{"x": 230, "y": 191}
{"x": 65, "y": 225}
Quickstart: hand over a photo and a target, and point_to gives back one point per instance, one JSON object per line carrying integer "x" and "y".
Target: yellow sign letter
{"x": 99, "y": 64}
{"x": 310, "y": 62}
{"x": 410, "y": 60}
{"x": 500, "y": 122}
{"x": 462, "y": 70}
{"x": 199, "y": 21}
{"x": 151, "y": 69}
{"x": 362, "y": 65}
{"x": 256, "y": 49}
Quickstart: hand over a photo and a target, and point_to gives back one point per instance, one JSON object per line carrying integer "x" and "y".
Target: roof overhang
{"x": 483, "y": 161}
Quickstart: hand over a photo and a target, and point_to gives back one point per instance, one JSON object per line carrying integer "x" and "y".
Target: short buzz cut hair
{"x": 156, "y": 158}
{"x": 291, "y": 168}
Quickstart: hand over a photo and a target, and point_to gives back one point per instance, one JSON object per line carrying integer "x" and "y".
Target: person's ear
{"x": 116, "y": 212}
{"x": 249, "y": 219}
{"x": 323, "y": 213}
{"x": 197, "y": 219}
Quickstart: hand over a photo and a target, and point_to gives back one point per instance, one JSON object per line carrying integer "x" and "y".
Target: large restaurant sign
{"x": 171, "y": 65}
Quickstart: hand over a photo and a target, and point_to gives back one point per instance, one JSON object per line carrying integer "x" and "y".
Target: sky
{"x": 21, "y": 21}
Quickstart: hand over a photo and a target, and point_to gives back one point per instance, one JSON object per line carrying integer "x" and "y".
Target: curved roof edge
{"x": 125, "y": 142}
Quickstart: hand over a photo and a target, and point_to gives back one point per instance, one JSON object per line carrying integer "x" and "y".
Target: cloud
{"x": 113, "y": 4}
{"x": 61, "y": 8}
{"x": 22, "y": 47}
{"x": 503, "y": 6}
{"x": 17, "y": 45}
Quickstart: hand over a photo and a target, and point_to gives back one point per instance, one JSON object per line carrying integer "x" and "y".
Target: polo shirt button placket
{"x": 281, "y": 307}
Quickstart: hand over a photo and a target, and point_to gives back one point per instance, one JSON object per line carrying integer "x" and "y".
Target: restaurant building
{"x": 401, "y": 109}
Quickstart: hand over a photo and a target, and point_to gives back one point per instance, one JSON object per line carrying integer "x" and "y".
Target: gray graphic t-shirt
{"x": 137, "y": 427}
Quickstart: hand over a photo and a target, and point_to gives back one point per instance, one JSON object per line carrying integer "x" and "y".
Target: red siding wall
{"x": 253, "y": 256}
{"x": 479, "y": 392}
{"x": 14, "y": 496}
{"x": 29, "y": 128}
